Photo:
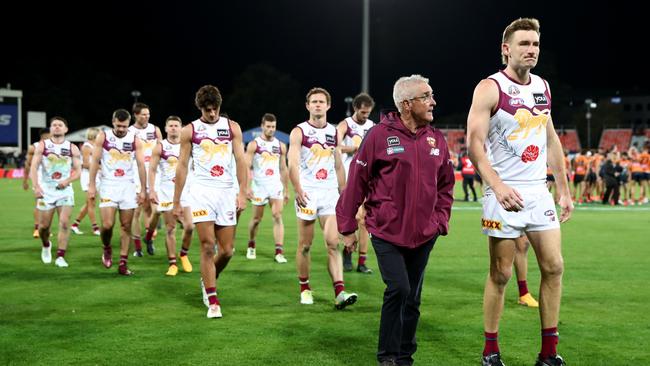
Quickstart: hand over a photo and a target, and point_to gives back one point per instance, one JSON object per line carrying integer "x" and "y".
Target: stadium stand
{"x": 455, "y": 139}
{"x": 621, "y": 137}
{"x": 569, "y": 139}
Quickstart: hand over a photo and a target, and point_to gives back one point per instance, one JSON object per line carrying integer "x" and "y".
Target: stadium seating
{"x": 569, "y": 139}
{"x": 621, "y": 137}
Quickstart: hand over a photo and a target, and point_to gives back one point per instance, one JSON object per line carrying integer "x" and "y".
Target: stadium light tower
{"x": 135, "y": 94}
{"x": 365, "y": 49}
{"x": 348, "y": 100}
{"x": 590, "y": 105}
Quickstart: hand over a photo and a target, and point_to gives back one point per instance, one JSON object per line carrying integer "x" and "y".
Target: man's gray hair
{"x": 402, "y": 90}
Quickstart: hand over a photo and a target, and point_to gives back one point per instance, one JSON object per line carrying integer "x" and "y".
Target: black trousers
{"x": 468, "y": 181}
{"x": 402, "y": 270}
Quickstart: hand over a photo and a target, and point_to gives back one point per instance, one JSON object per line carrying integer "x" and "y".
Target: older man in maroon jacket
{"x": 403, "y": 172}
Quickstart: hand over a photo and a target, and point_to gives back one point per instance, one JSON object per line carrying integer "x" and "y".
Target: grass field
{"x": 88, "y": 315}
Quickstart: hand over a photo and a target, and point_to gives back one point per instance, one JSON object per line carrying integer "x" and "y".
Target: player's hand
{"x": 509, "y": 198}
{"x": 25, "y": 185}
{"x": 153, "y": 197}
{"x": 38, "y": 192}
{"x": 177, "y": 211}
{"x": 249, "y": 194}
{"x": 92, "y": 191}
{"x": 301, "y": 198}
{"x": 566, "y": 204}
{"x": 241, "y": 201}
{"x": 141, "y": 198}
{"x": 62, "y": 184}
{"x": 350, "y": 243}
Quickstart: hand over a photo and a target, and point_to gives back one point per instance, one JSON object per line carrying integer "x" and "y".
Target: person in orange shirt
{"x": 637, "y": 174}
{"x": 580, "y": 163}
{"x": 644, "y": 159}
{"x": 624, "y": 179}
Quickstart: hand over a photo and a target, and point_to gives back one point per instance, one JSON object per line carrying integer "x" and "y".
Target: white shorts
{"x": 53, "y": 198}
{"x": 118, "y": 194}
{"x": 84, "y": 180}
{"x": 165, "y": 193}
{"x": 538, "y": 214}
{"x": 265, "y": 191}
{"x": 322, "y": 202}
{"x": 213, "y": 204}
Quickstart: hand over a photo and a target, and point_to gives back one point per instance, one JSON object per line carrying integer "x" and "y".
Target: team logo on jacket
{"x": 434, "y": 151}
{"x": 431, "y": 141}
{"x": 395, "y": 150}
{"x": 530, "y": 154}
{"x": 513, "y": 90}
{"x": 540, "y": 99}
{"x": 392, "y": 140}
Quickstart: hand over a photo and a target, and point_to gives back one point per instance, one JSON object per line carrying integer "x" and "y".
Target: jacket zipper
{"x": 417, "y": 187}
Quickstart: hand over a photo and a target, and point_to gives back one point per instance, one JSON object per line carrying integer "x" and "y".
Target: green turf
{"x": 88, "y": 315}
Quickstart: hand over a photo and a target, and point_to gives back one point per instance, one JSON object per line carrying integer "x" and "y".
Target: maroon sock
{"x": 338, "y": 287}
{"x": 76, "y": 223}
{"x": 149, "y": 234}
{"x": 123, "y": 260}
{"x": 304, "y": 283}
{"x": 491, "y": 343}
{"x": 523, "y": 287}
{"x": 279, "y": 249}
{"x": 137, "y": 242}
{"x": 47, "y": 245}
{"x": 35, "y": 226}
{"x": 362, "y": 259}
{"x": 172, "y": 261}
{"x": 251, "y": 243}
{"x": 212, "y": 295}
{"x": 184, "y": 252}
{"x": 95, "y": 227}
{"x": 60, "y": 253}
{"x": 550, "y": 337}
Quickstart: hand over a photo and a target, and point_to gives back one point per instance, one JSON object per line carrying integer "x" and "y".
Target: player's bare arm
{"x": 485, "y": 99}
{"x": 242, "y": 163}
{"x": 295, "y": 141}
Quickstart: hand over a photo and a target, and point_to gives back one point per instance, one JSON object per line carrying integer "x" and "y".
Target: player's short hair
{"x": 363, "y": 99}
{"x": 318, "y": 90}
{"x": 402, "y": 90}
{"x": 43, "y": 131}
{"x": 91, "y": 133}
{"x": 526, "y": 24}
{"x": 122, "y": 115}
{"x": 174, "y": 118}
{"x": 208, "y": 95}
{"x": 268, "y": 117}
{"x": 138, "y": 107}
{"x": 59, "y": 118}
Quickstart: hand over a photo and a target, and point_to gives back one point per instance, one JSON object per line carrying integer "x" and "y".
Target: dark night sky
{"x": 85, "y": 65}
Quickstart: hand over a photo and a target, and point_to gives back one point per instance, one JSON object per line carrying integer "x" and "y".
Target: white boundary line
{"x": 578, "y": 208}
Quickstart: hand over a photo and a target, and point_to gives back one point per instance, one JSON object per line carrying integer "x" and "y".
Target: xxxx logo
{"x": 491, "y": 224}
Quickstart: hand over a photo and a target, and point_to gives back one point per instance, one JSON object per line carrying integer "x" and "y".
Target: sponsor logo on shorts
{"x": 392, "y": 140}
{"x": 306, "y": 211}
{"x": 105, "y": 200}
{"x": 491, "y": 224}
{"x": 550, "y": 214}
{"x": 41, "y": 203}
{"x": 166, "y": 204}
{"x": 199, "y": 213}
{"x": 230, "y": 215}
{"x": 257, "y": 199}
{"x": 395, "y": 150}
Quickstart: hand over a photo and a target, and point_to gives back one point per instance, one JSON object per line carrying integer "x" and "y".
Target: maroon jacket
{"x": 407, "y": 181}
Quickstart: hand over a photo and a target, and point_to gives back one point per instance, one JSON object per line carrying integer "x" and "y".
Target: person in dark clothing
{"x": 404, "y": 173}
{"x": 610, "y": 174}
{"x": 468, "y": 172}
